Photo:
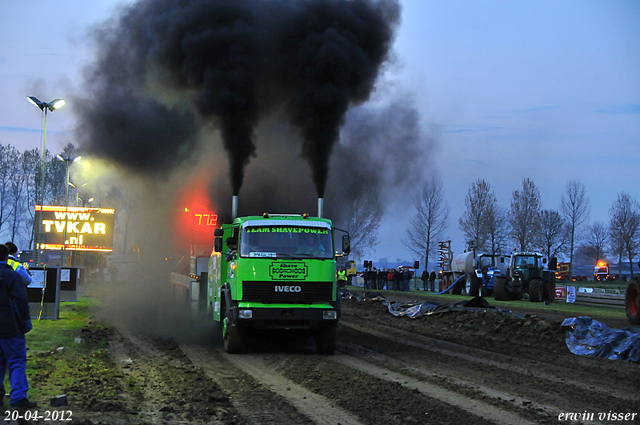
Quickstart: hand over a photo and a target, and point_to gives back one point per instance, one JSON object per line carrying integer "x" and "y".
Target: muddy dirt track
{"x": 455, "y": 368}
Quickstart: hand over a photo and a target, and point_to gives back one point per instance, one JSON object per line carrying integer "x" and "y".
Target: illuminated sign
{"x": 76, "y": 228}
{"x": 205, "y": 219}
{"x": 198, "y": 227}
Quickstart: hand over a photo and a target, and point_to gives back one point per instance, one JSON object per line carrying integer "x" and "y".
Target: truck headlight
{"x": 330, "y": 315}
{"x": 245, "y": 314}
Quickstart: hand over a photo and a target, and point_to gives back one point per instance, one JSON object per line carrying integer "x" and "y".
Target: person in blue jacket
{"x": 15, "y": 322}
{"x": 16, "y": 265}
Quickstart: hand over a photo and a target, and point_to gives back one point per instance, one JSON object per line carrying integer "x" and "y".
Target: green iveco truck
{"x": 275, "y": 272}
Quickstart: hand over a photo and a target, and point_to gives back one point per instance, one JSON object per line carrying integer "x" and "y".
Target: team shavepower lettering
{"x": 311, "y": 230}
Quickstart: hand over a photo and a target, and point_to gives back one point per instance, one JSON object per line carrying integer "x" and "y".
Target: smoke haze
{"x": 265, "y": 99}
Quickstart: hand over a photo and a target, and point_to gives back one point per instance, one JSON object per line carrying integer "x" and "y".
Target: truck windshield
{"x": 286, "y": 242}
{"x": 485, "y": 262}
{"x": 527, "y": 262}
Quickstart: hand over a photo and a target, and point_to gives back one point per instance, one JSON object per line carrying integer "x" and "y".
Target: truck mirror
{"x": 553, "y": 263}
{"x": 217, "y": 244}
{"x": 502, "y": 259}
{"x": 346, "y": 244}
{"x": 416, "y": 265}
{"x": 544, "y": 260}
{"x": 217, "y": 232}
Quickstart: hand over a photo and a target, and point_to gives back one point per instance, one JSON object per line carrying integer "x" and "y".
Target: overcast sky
{"x": 546, "y": 90}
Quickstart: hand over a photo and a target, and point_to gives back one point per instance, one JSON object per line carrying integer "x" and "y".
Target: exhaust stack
{"x": 320, "y": 207}
{"x": 234, "y": 207}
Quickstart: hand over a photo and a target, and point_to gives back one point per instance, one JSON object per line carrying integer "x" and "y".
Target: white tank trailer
{"x": 472, "y": 266}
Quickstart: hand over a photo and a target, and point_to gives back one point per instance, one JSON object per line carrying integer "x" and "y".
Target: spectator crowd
{"x": 396, "y": 279}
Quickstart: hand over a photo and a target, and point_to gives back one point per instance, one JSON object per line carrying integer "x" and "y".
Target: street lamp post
{"x": 78, "y": 197}
{"x": 44, "y": 107}
{"x": 68, "y": 161}
{"x": 85, "y": 201}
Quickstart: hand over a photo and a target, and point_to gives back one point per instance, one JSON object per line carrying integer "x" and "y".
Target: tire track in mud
{"x": 528, "y": 368}
{"x": 291, "y": 377}
{"x": 456, "y": 400}
{"x": 566, "y": 385}
{"x": 287, "y": 402}
{"x": 164, "y": 386}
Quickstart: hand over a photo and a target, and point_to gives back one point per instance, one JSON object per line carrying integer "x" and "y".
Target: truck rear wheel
{"x": 499, "y": 289}
{"x": 551, "y": 290}
{"x": 457, "y": 288}
{"x": 632, "y": 302}
{"x": 476, "y": 283}
{"x": 233, "y": 338}
{"x": 536, "y": 290}
{"x": 326, "y": 340}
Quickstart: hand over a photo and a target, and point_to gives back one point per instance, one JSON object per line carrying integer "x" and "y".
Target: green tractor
{"x": 530, "y": 273}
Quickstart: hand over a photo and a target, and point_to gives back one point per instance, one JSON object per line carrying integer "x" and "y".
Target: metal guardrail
{"x": 181, "y": 280}
{"x": 611, "y": 297}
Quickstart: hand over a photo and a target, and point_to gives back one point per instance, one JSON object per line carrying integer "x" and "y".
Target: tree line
{"x": 20, "y": 177}
{"x": 563, "y": 233}
{"x": 559, "y": 233}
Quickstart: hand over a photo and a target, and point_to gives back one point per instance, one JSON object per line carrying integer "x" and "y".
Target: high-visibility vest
{"x": 342, "y": 275}
{"x": 13, "y": 263}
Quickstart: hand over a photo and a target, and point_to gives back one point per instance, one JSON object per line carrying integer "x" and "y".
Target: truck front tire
{"x": 233, "y": 339}
{"x": 233, "y": 343}
{"x": 326, "y": 340}
{"x": 632, "y": 302}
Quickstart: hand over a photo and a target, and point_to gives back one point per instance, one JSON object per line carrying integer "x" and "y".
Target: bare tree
{"x": 18, "y": 198}
{"x": 498, "y": 228}
{"x": 430, "y": 221}
{"x": 362, "y": 220}
{"x": 574, "y": 206}
{"x": 553, "y": 234}
{"x": 474, "y": 221}
{"x": 617, "y": 249}
{"x": 594, "y": 246}
{"x": 29, "y": 174}
{"x": 57, "y": 176}
{"x": 7, "y": 158}
{"x": 624, "y": 226}
{"x": 524, "y": 215}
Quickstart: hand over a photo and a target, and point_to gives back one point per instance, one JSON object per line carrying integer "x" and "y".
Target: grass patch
{"x": 48, "y": 335}
{"x": 57, "y": 364}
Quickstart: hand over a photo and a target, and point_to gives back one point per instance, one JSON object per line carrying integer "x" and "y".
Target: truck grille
{"x": 287, "y": 292}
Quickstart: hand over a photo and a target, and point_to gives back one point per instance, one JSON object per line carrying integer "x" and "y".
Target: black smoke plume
{"x": 330, "y": 55}
{"x": 169, "y": 70}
